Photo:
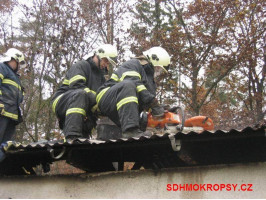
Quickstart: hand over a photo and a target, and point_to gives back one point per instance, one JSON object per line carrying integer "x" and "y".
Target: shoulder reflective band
{"x": 66, "y": 82}
{"x": 55, "y": 101}
{"x": 126, "y": 100}
{"x": 1, "y": 105}
{"x": 10, "y": 115}
{"x": 141, "y": 87}
{"x": 115, "y": 77}
{"x": 100, "y": 95}
{"x": 130, "y": 73}
{"x": 76, "y": 110}
{"x": 10, "y": 82}
{"x": 76, "y": 78}
{"x": 88, "y": 90}
{"x": 1, "y": 76}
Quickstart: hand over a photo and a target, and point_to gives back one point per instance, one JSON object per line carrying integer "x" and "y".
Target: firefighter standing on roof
{"x": 11, "y": 93}
{"x": 75, "y": 101}
{"x": 132, "y": 88}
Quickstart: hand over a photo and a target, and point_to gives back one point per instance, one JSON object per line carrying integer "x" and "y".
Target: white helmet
{"x": 158, "y": 56}
{"x": 107, "y": 51}
{"x": 16, "y": 55}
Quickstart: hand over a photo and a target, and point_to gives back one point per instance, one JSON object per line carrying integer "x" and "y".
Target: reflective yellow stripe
{"x": 88, "y": 90}
{"x": 76, "y": 110}
{"x": 10, "y": 82}
{"x": 1, "y": 76}
{"x": 100, "y": 95}
{"x": 126, "y": 100}
{"x": 55, "y": 101}
{"x": 141, "y": 87}
{"x": 77, "y": 77}
{"x": 1, "y": 105}
{"x": 10, "y": 115}
{"x": 1, "y": 92}
{"x": 130, "y": 73}
{"x": 115, "y": 77}
{"x": 66, "y": 82}
{"x": 94, "y": 108}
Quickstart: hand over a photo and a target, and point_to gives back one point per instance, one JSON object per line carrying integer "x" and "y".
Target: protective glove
{"x": 156, "y": 109}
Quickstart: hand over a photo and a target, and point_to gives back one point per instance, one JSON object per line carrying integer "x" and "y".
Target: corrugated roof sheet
{"x": 157, "y": 151}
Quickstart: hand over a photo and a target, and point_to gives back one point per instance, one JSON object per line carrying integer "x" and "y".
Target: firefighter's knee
{"x": 129, "y": 85}
{"x": 80, "y": 93}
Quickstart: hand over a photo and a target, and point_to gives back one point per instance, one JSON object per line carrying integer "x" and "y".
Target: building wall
{"x": 141, "y": 184}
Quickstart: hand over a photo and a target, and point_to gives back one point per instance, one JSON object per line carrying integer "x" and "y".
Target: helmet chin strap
{"x": 99, "y": 61}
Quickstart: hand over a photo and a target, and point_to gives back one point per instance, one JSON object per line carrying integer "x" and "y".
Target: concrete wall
{"x": 140, "y": 184}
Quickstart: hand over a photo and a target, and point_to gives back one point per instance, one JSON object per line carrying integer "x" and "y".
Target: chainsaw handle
{"x": 182, "y": 117}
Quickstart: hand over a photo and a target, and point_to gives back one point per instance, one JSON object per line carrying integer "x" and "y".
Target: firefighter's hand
{"x": 156, "y": 109}
{"x": 1, "y": 109}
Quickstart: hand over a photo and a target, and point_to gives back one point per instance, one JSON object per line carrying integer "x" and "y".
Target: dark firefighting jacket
{"x": 11, "y": 92}
{"x": 82, "y": 75}
{"x": 138, "y": 70}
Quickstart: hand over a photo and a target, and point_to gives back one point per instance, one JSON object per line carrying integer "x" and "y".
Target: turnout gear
{"x": 130, "y": 89}
{"x": 16, "y": 55}
{"x": 11, "y": 93}
{"x": 1, "y": 108}
{"x": 7, "y": 129}
{"x": 158, "y": 56}
{"x": 75, "y": 101}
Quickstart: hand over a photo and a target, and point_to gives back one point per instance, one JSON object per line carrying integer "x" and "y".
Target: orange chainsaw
{"x": 175, "y": 121}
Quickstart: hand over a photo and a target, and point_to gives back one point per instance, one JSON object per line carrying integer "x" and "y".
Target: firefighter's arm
{"x": 2, "y": 76}
{"x": 143, "y": 89}
{"x": 77, "y": 79}
{"x": 114, "y": 78}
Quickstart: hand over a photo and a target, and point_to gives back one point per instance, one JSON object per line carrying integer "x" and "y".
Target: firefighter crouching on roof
{"x": 131, "y": 89}
{"x": 74, "y": 102}
{"x": 11, "y": 95}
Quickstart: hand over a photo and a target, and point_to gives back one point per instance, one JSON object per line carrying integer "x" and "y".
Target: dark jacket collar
{"x": 15, "y": 71}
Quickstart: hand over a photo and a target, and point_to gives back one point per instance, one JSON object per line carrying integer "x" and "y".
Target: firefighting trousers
{"x": 120, "y": 104}
{"x": 73, "y": 112}
{"x": 7, "y": 129}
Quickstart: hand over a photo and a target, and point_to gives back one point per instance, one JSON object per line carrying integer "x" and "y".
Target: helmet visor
{"x": 112, "y": 61}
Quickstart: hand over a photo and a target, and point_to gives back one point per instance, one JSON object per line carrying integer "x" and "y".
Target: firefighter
{"x": 74, "y": 103}
{"x": 11, "y": 93}
{"x": 131, "y": 89}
